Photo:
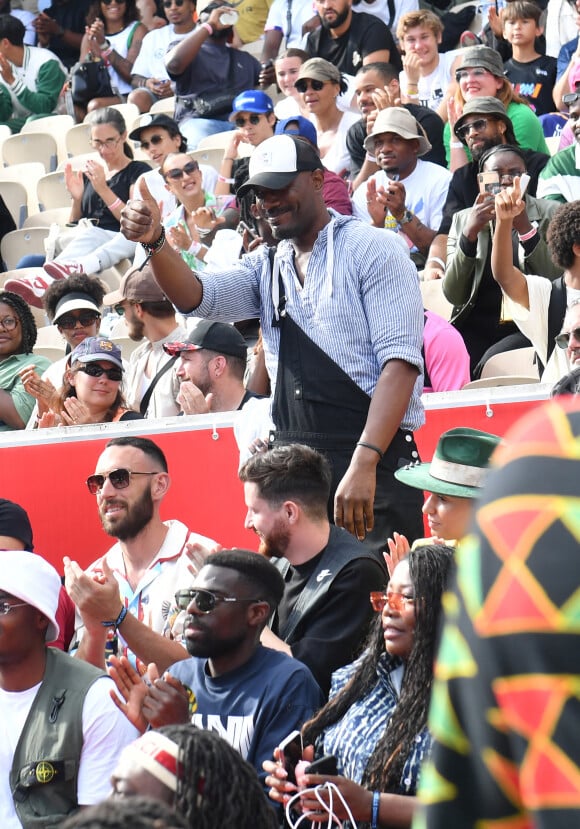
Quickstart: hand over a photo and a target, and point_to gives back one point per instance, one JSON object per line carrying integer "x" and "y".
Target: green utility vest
{"x": 44, "y": 772}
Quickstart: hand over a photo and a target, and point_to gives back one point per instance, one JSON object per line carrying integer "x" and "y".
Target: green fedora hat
{"x": 458, "y": 467}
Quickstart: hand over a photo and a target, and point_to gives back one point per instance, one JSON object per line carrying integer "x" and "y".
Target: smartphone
{"x": 242, "y": 226}
{"x": 324, "y": 765}
{"x": 291, "y": 747}
{"x": 489, "y": 183}
{"x": 524, "y": 181}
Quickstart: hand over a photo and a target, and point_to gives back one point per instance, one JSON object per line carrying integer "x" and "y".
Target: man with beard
{"x": 482, "y": 125}
{"x": 335, "y": 344}
{"x": 350, "y": 40}
{"x": 151, "y": 383}
{"x": 211, "y": 367}
{"x": 251, "y": 695}
{"x": 328, "y": 574}
{"x": 125, "y": 594}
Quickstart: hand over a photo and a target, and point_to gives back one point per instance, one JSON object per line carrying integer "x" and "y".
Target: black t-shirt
{"x": 534, "y": 81}
{"x": 71, "y": 15}
{"x": 365, "y": 35}
{"x": 464, "y": 188}
{"x": 92, "y": 205}
{"x": 429, "y": 120}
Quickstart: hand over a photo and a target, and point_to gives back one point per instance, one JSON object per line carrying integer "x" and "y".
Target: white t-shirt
{"x": 106, "y": 731}
{"x": 534, "y": 324}
{"x": 380, "y": 9}
{"x": 150, "y": 62}
{"x": 426, "y": 202}
{"x": 301, "y": 12}
{"x": 432, "y": 87}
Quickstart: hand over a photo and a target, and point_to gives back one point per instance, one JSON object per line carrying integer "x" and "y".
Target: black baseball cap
{"x": 157, "y": 120}
{"x": 213, "y": 336}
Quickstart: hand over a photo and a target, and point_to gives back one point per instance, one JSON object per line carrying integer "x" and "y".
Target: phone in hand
{"x": 489, "y": 183}
{"x": 324, "y": 765}
{"x": 291, "y": 748}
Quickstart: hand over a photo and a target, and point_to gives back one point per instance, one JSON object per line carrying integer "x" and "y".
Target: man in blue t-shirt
{"x": 251, "y": 695}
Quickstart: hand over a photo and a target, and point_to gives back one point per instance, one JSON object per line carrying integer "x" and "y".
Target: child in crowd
{"x": 532, "y": 75}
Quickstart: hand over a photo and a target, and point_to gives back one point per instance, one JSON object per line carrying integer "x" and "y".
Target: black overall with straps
{"x": 318, "y": 404}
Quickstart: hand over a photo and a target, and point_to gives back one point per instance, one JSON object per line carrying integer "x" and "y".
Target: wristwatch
{"x": 407, "y": 217}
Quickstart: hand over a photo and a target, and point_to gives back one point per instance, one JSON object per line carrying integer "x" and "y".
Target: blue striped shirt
{"x": 360, "y": 302}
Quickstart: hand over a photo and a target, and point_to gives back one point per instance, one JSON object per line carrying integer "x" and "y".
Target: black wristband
{"x": 376, "y": 449}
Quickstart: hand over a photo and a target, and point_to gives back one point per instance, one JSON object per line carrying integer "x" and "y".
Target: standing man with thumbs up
{"x": 126, "y": 593}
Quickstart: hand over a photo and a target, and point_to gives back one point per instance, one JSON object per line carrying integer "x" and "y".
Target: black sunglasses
{"x": 108, "y": 2}
{"x": 154, "y": 140}
{"x": 303, "y": 84}
{"x": 563, "y": 339}
{"x": 168, "y": 3}
{"x": 119, "y": 478}
{"x": 87, "y": 318}
{"x": 570, "y": 98}
{"x": 177, "y": 173}
{"x": 253, "y": 119}
{"x": 463, "y": 131}
{"x": 92, "y": 370}
{"x": 205, "y": 600}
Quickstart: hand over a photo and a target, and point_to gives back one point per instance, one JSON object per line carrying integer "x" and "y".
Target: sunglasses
{"x": 6, "y": 607}
{"x": 154, "y": 141}
{"x": 119, "y": 478}
{"x": 93, "y": 370}
{"x": 9, "y": 323}
{"x": 253, "y": 120}
{"x": 86, "y": 319}
{"x": 205, "y": 600}
{"x": 396, "y": 601}
{"x": 563, "y": 339}
{"x": 570, "y": 98}
{"x": 305, "y": 83}
{"x": 179, "y": 172}
{"x": 463, "y": 131}
{"x": 168, "y": 3}
{"x": 478, "y": 72}
{"x": 118, "y": 2}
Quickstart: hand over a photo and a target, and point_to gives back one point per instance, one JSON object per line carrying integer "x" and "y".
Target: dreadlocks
{"x": 126, "y": 813}
{"x": 207, "y": 762}
{"x": 428, "y": 568}
{"x": 24, "y": 314}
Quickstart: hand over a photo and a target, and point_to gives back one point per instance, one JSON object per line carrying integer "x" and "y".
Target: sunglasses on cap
{"x": 119, "y": 478}
{"x": 168, "y": 3}
{"x": 253, "y": 119}
{"x": 154, "y": 141}
{"x": 570, "y": 98}
{"x": 563, "y": 339}
{"x": 97, "y": 371}
{"x": 304, "y": 83}
{"x": 178, "y": 173}
{"x": 85, "y": 318}
{"x": 396, "y": 601}
{"x": 463, "y": 131}
{"x": 205, "y": 600}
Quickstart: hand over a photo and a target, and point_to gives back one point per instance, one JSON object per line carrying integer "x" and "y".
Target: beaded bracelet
{"x": 154, "y": 247}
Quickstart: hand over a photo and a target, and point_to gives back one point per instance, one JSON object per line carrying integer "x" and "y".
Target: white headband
{"x": 159, "y": 756}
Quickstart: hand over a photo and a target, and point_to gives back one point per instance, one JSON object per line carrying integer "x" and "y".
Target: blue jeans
{"x": 31, "y": 260}
{"x": 194, "y": 129}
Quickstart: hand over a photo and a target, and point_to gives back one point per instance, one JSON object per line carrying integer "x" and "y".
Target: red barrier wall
{"x": 48, "y": 481}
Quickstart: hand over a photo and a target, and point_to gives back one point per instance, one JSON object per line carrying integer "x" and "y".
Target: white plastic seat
{"x": 19, "y": 243}
{"x": 56, "y": 215}
{"x": 52, "y": 193}
{"x": 27, "y": 173}
{"x": 15, "y": 198}
{"x": 165, "y": 105}
{"x": 55, "y": 125}
{"x": 518, "y": 362}
{"x": 78, "y": 140}
{"x": 30, "y": 146}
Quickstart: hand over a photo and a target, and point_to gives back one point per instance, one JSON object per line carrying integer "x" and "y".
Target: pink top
{"x": 446, "y": 357}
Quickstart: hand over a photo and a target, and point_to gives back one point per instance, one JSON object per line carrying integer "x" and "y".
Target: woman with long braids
{"x": 196, "y": 772}
{"x": 375, "y": 722}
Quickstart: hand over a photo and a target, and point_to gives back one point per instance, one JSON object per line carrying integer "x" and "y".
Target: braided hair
{"x": 428, "y": 567}
{"x": 126, "y": 813}
{"x": 27, "y": 322}
{"x": 217, "y": 787}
